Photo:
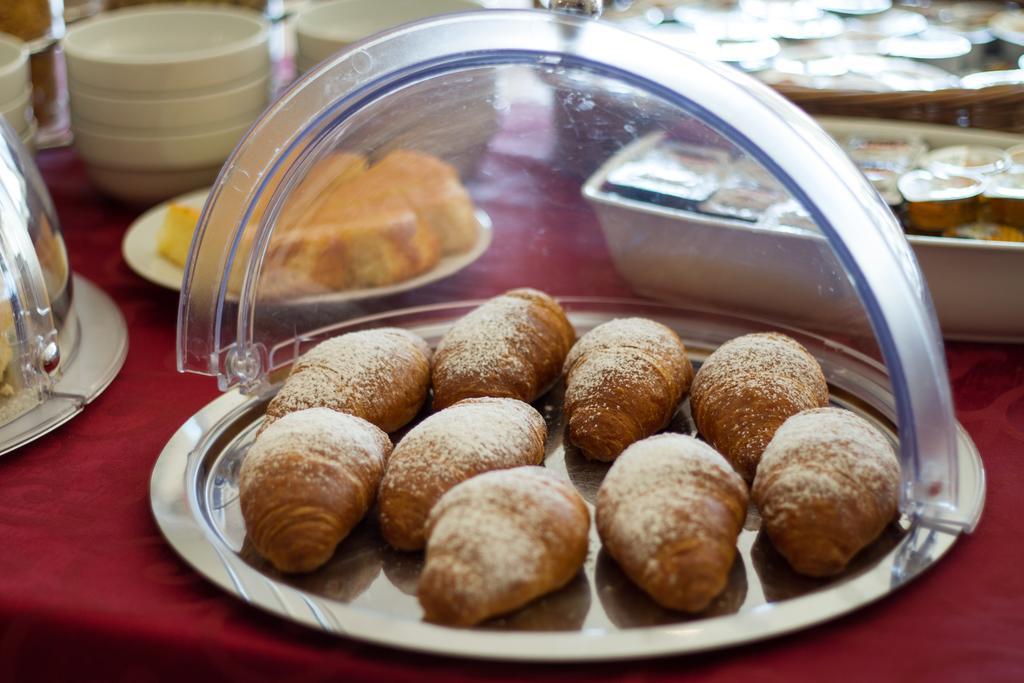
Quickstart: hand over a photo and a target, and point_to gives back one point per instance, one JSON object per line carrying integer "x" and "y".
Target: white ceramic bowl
{"x": 131, "y": 113}
{"x": 155, "y": 152}
{"x": 18, "y": 111}
{"x": 164, "y": 48}
{"x": 13, "y": 67}
{"x": 147, "y": 187}
{"x": 324, "y": 28}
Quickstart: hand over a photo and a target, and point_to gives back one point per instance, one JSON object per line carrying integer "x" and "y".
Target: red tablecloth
{"x": 89, "y": 590}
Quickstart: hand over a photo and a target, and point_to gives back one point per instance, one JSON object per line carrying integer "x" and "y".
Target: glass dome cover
{"x": 600, "y": 166}
{"x": 36, "y": 279}
{"x": 57, "y": 351}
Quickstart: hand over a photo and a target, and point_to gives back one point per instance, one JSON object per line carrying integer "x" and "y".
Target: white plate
{"x": 139, "y": 244}
{"x": 139, "y": 249}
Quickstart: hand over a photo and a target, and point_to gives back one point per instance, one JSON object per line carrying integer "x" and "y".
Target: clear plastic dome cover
{"x": 454, "y": 159}
{"x": 36, "y": 281}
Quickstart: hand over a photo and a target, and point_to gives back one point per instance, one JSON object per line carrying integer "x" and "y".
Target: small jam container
{"x": 789, "y": 217}
{"x": 1004, "y": 199}
{"x": 898, "y": 153}
{"x": 883, "y": 178}
{"x": 674, "y": 172}
{"x": 743, "y": 202}
{"x": 975, "y": 161}
{"x": 936, "y": 203}
{"x": 990, "y": 232}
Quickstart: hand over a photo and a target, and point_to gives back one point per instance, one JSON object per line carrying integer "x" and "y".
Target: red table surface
{"x": 90, "y": 591}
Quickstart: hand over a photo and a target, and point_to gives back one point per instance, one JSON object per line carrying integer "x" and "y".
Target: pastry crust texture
{"x": 512, "y": 346}
{"x": 380, "y": 375}
{"x": 747, "y": 388}
{"x": 306, "y": 482}
{"x": 467, "y": 439}
{"x": 500, "y": 540}
{"x": 669, "y": 512}
{"x": 624, "y": 380}
{"x": 827, "y": 487}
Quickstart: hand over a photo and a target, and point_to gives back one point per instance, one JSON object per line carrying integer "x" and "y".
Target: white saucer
{"x": 139, "y": 244}
{"x": 139, "y": 249}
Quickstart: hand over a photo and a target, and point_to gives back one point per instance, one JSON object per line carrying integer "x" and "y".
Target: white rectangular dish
{"x": 977, "y": 286}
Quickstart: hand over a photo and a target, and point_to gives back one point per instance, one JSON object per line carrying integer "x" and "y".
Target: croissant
{"x": 512, "y": 346}
{"x": 747, "y": 388}
{"x": 498, "y": 541}
{"x": 470, "y": 437}
{"x": 379, "y": 375}
{"x": 624, "y": 380}
{"x": 827, "y": 487}
{"x": 669, "y": 512}
{"x": 307, "y": 480}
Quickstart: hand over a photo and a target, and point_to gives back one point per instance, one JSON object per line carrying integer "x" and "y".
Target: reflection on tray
{"x": 352, "y": 570}
{"x": 780, "y": 582}
{"x": 629, "y": 607}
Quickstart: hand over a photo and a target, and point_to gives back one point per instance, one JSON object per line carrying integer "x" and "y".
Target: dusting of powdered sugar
{"x": 321, "y": 437}
{"x": 643, "y": 335}
{"x": 763, "y": 378}
{"x": 745, "y": 363}
{"x": 349, "y": 372}
{"x": 658, "y": 491}
{"x": 473, "y": 436}
{"x": 523, "y": 334}
{"x": 500, "y": 530}
{"x": 614, "y": 370}
{"x": 826, "y": 454}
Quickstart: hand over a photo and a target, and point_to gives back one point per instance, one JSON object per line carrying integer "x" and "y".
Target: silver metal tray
{"x": 98, "y": 337}
{"x": 367, "y": 591}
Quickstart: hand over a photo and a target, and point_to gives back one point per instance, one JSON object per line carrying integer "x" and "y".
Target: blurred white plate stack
{"x": 160, "y": 95}
{"x": 16, "y": 89}
{"x": 323, "y": 28}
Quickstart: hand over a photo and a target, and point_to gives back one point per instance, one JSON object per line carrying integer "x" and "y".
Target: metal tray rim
{"x": 178, "y": 512}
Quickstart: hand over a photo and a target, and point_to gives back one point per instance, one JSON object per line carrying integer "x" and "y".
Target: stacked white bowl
{"x": 160, "y": 95}
{"x": 16, "y": 89}
{"x": 323, "y": 28}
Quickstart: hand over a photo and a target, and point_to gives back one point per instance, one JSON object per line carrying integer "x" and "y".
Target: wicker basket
{"x": 997, "y": 108}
